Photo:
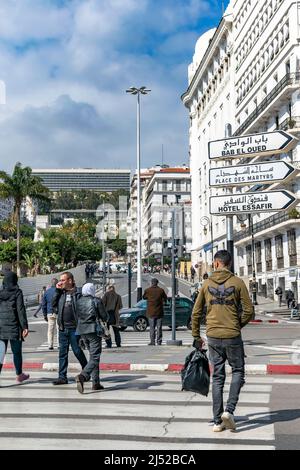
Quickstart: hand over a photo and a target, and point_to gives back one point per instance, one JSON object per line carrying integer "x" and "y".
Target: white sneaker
{"x": 228, "y": 420}
{"x": 219, "y": 427}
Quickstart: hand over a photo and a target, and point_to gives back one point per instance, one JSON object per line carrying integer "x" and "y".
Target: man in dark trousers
{"x": 64, "y": 305}
{"x": 113, "y": 304}
{"x": 223, "y": 294}
{"x": 278, "y": 292}
{"x": 155, "y": 297}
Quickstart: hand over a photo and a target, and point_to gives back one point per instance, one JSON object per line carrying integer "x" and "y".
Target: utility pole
{"x": 129, "y": 281}
{"x": 254, "y": 293}
{"x": 229, "y": 218}
{"x": 173, "y": 342}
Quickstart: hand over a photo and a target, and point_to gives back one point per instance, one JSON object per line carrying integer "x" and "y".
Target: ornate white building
{"x": 246, "y": 73}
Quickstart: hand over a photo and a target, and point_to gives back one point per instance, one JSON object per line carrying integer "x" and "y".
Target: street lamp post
{"x": 173, "y": 341}
{"x": 139, "y": 91}
{"x": 254, "y": 293}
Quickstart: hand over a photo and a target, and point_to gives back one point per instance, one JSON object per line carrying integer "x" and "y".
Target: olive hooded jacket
{"x": 228, "y": 306}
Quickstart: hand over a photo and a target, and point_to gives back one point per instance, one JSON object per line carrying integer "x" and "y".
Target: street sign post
{"x": 247, "y": 146}
{"x": 254, "y": 202}
{"x": 270, "y": 172}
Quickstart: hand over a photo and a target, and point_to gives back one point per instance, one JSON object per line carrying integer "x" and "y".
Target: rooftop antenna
{"x": 162, "y": 154}
{"x": 223, "y": 9}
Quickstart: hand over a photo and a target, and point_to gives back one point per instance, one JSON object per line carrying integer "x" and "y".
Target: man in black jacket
{"x": 64, "y": 305}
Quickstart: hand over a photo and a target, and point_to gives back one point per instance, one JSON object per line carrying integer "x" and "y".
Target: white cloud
{"x": 66, "y": 66}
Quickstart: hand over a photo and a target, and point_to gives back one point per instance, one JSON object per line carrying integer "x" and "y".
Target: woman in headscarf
{"x": 90, "y": 317}
{"x": 13, "y": 321}
{"x": 113, "y": 304}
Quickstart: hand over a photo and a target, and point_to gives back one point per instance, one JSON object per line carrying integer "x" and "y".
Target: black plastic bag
{"x": 195, "y": 375}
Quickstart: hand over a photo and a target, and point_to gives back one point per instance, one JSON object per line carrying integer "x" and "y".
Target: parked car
{"x": 136, "y": 316}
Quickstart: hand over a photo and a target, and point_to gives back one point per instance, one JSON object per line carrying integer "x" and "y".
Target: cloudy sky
{"x": 66, "y": 65}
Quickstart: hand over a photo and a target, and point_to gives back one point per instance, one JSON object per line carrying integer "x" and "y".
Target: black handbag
{"x": 195, "y": 375}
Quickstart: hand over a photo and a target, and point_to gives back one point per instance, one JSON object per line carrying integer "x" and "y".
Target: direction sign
{"x": 265, "y": 143}
{"x": 270, "y": 172}
{"x": 267, "y": 201}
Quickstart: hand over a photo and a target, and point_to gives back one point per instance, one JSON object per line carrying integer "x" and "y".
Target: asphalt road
{"x": 264, "y": 343}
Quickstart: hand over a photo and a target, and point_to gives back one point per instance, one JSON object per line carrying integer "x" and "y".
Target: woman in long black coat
{"x": 13, "y": 321}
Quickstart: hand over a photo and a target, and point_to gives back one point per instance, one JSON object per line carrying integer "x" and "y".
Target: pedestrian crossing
{"x": 134, "y": 411}
{"x": 133, "y": 338}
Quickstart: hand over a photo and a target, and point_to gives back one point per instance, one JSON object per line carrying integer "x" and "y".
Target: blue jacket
{"x": 47, "y": 300}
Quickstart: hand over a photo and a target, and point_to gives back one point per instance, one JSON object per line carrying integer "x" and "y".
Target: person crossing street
{"x": 223, "y": 294}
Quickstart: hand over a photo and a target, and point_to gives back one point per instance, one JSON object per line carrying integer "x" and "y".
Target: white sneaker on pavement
{"x": 219, "y": 427}
{"x": 228, "y": 420}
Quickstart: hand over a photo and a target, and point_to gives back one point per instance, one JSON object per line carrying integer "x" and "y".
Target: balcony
{"x": 268, "y": 223}
{"x": 291, "y": 124}
{"x": 289, "y": 80}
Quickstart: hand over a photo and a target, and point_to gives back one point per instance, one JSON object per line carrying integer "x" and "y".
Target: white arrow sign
{"x": 249, "y": 174}
{"x": 248, "y": 145}
{"x": 252, "y": 202}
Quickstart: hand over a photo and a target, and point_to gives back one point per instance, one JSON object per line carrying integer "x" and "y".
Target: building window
{"x": 279, "y": 251}
{"x": 164, "y": 199}
{"x": 268, "y": 254}
{"x": 164, "y": 185}
{"x": 291, "y": 236}
{"x": 258, "y": 257}
{"x": 178, "y": 185}
{"x": 178, "y": 197}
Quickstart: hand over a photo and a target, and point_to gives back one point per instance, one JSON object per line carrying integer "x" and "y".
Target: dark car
{"x": 136, "y": 316}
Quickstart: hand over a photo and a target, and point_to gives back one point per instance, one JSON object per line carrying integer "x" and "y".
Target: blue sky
{"x": 66, "y": 65}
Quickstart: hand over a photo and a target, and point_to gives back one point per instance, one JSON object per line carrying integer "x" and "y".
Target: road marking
{"x": 134, "y": 411}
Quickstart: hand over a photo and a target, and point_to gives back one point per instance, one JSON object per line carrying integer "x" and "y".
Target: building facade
{"x": 162, "y": 188}
{"x": 168, "y": 189}
{"x": 6, "y": 208}
{"x": 262, "y": 94}
{"x": 84, "y": 179}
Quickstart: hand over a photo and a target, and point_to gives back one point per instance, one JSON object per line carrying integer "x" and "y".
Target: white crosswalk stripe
{"x": 134, "y": 411}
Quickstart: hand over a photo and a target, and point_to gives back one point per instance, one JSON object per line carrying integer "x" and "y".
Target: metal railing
{"x": 290, "y": 123}
{"x": 288, "y": 79}
{"x": 270, "y": 222}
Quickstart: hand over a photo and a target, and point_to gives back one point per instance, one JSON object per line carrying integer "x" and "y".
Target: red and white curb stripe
{"x": 251, "y": 369}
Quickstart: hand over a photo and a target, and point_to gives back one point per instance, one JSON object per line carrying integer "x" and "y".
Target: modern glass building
{"x": 84, "y": 178}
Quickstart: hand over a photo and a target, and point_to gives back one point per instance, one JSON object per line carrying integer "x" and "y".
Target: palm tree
{"x": 18, "y": 186}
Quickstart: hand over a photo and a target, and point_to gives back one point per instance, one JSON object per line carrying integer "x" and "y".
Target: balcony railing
{"x": 270, "y": 222}
{"x": 290, "y": 123}
{"x": 287, "y": 80}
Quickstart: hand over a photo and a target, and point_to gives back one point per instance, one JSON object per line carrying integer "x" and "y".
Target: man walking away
{"x": 223, "y": 294}
{"x": 113, "y": 304}
{"x": 64, "y": 305}
{"x": 155, "y": 297}
{"x": 49, "y": 315}
{"x": 278, "y": 292}
{"x": 193, "y": 272}
{"x": 40, "y": 301}
{"x": 289, "y": 297}
{"x": 13, "y": 321}
{"x": 90, "y": 312}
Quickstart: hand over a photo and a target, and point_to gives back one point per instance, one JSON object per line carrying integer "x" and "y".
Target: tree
{"x": 18, "y": 186}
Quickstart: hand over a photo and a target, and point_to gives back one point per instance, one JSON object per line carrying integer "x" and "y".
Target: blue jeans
{"x": 232, "y": 350}
{"x": 67, "y": 337}
{"x": 155, "y": 327}
{"x": 16, "y": 347}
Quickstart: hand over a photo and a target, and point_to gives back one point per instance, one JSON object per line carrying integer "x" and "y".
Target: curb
{"x": 264, "y": 321}
{"x": 251, "y": 369}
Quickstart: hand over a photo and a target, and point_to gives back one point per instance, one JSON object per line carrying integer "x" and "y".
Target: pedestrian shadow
{"x": 264, "y": 419}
